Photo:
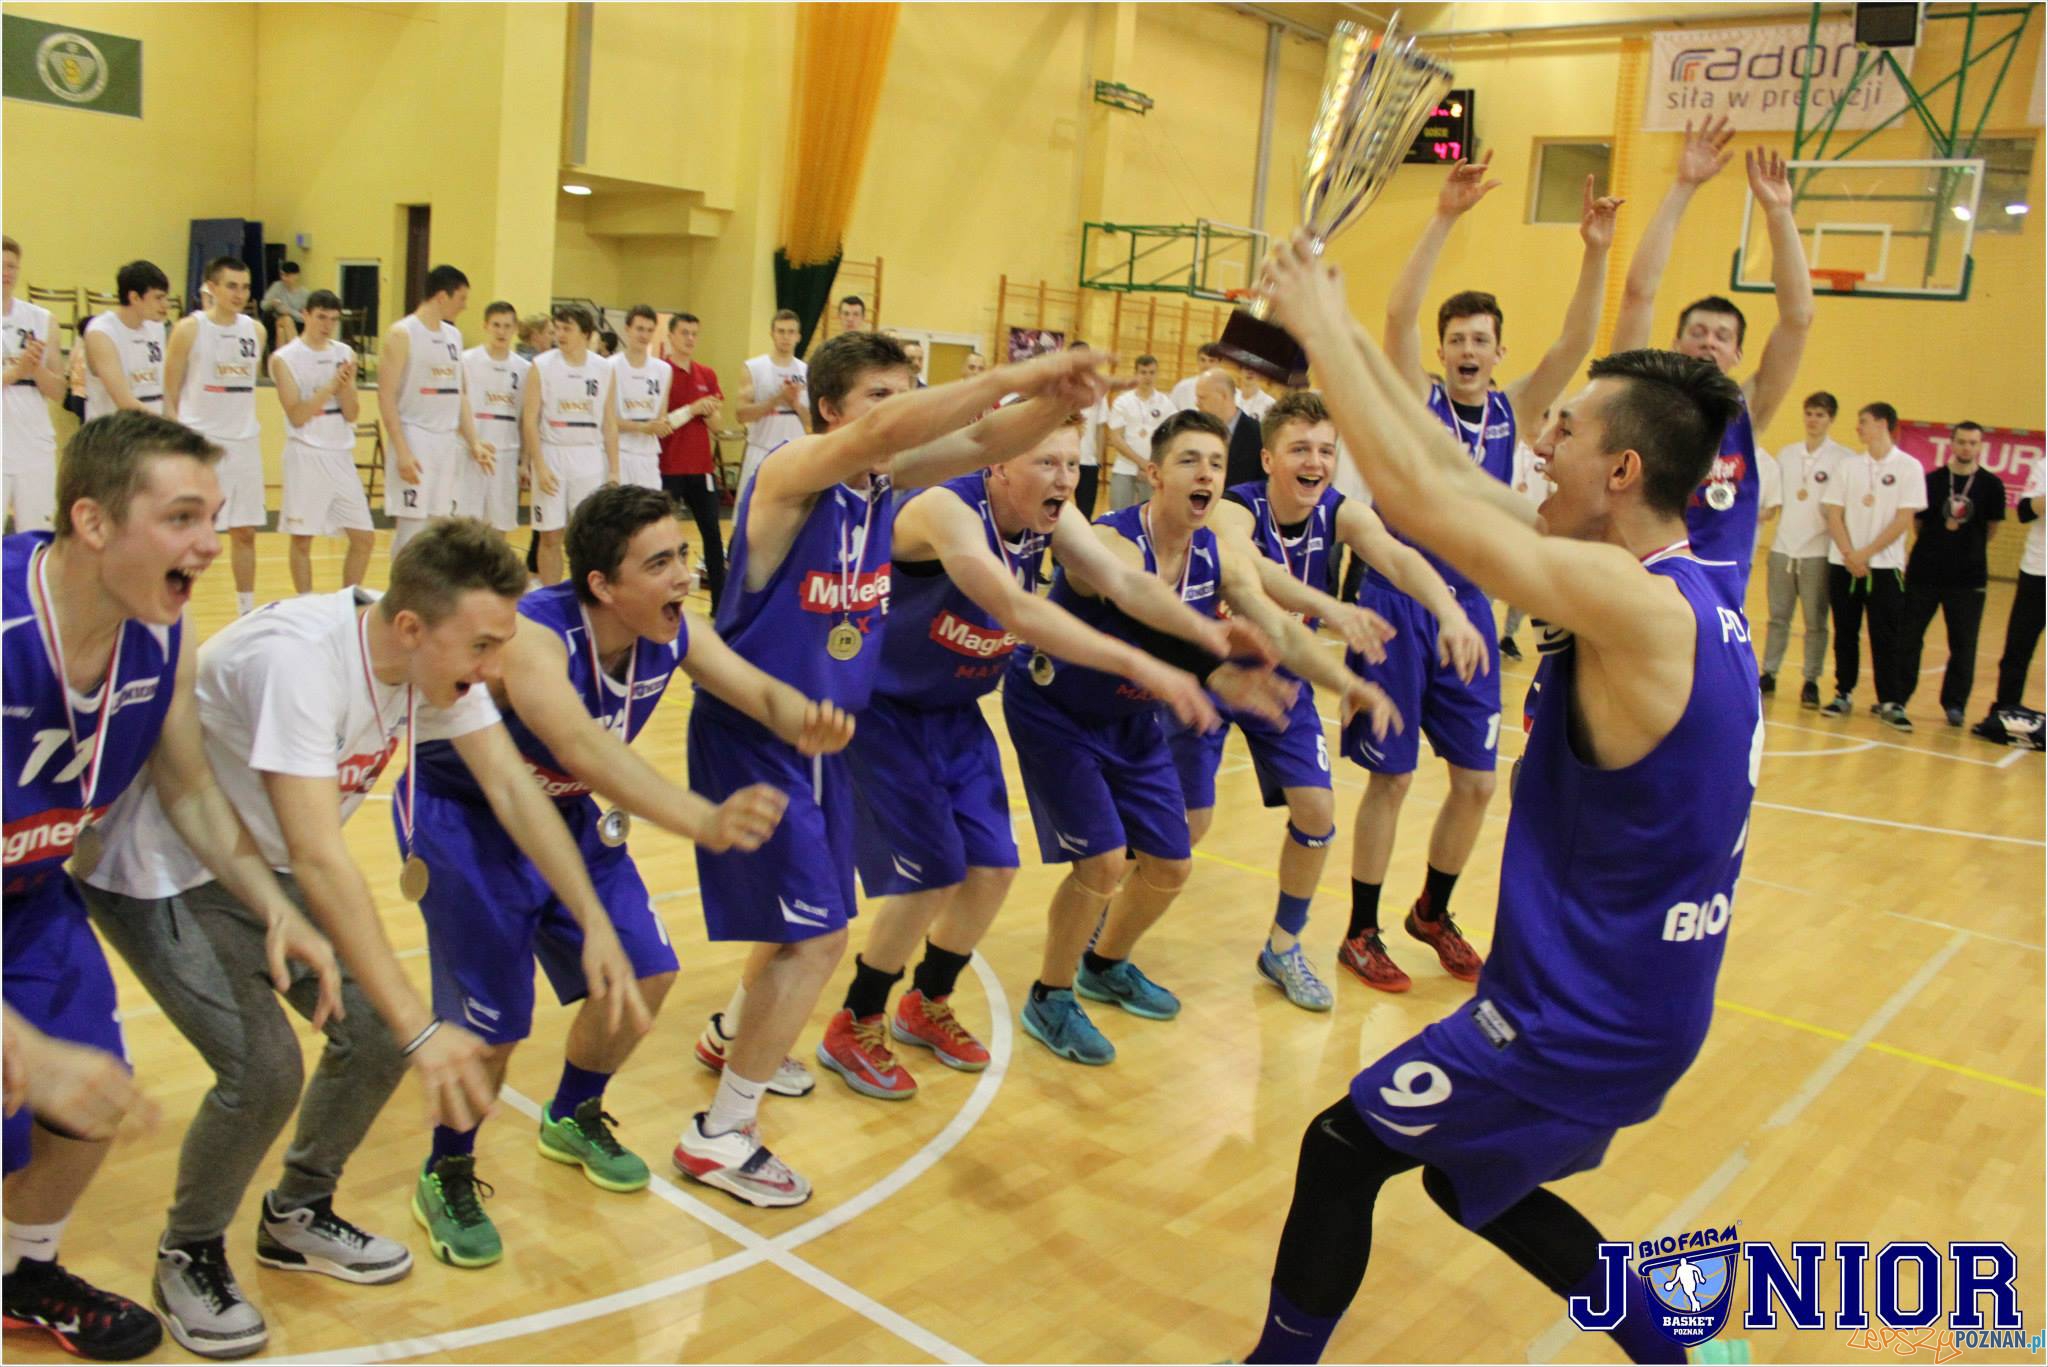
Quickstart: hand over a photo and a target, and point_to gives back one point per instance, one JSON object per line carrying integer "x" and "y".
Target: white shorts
{"x": 323, "y": 494}
{"x": 493, "y": 497}
{"x": 644, "y": 471}
{"x": 31, "y": 493}
{"x": 441, "y": 455}
{"x": 241, "y": 483}
{"x": 579, "y": 473}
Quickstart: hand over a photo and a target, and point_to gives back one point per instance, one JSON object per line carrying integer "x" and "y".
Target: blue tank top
{"x": 832, "y": 574}
{"x": 938, "y": 648}
{"x": 1309, "y": 550}
{"x": 1090, "y": 693}
{"x": 1492, "y": 448}
{"x": 1617, "y": 885}
{"x": 556, "y": 609}
{"x": 1728, "y": 534}
{"x": 46, "y": 771}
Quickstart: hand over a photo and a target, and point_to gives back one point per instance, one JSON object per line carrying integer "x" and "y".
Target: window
{"x": 1557, "y": 189}
{"x": 2008, "y": 166}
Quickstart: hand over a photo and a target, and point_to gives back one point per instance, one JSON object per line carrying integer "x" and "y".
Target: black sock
{"x": 938, "y": 972}
{"x": 1039, "y": 991}
{"x": 1095, "y": 963}
{"x": 1436, "y": 895}
{"x": 533, "y": 554}
{"x": 1365, "y": 910}
{"x": 868, "y": 993}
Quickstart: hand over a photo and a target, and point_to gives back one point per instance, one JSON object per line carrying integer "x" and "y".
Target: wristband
{"x": 426, "y": 1033}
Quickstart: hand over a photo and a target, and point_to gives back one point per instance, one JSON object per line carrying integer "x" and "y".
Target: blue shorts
{"x": 490, "y": 914}
{"x": 1294, "y": 756}
{"x": 55, "y": 977}
{"x": 1433, "y": 1099}
{"x": 1096, "y": 786}
{"x": 799, "y": 885}
{"x": 1462, "y": 720}
{"x": 931, "y": 800}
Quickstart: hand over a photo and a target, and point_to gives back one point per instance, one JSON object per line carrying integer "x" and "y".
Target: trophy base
{"x": 1265, "y": 349}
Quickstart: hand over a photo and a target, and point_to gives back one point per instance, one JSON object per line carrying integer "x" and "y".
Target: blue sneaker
{"x": 1128, "y": 988}
{"x": 1062, "y": 1026}
{"x": 1291, "y": 974}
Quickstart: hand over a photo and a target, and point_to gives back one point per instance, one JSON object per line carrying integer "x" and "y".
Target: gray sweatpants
{"x": 1804, "y": 582}
{"x": 201, "y": 957}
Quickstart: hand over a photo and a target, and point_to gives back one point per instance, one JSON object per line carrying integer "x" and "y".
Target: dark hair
{"x": 1187, "y": 420}
{"x": 835, "y": 366}
{"x": 1471, "y": 304}
{"x": 577, "y": 314}
{"x": 140, "y": 277}
{"x": 224, "y": 263}
{"x": 1671, "y": 411}
{"x": 786, "y": 316}
{"x": 1883, "y": 412}
{"x": 1146, "y": 359}
{"x": 675, "y": 318}
{"x": 602, "y": 526}
{"x": 1820, "y": 398}
{"x": 452, "y": 556}
{"x": 1967, "y": 426}
{"x": 498, "y": 306}
{"x": 641, "y": 311}
{"x": 107, "y": 460}
{"x": 8, "y": 244}
{"x": 1296, "y": 405}
{"x": 444, "y": 280}
{"x": 288, "y": 268}
{"x": 610, "y": 340}
{"x": 1715, "y": 303}
{"x": 327, "y": 299}
{"x": 854, "y": 299}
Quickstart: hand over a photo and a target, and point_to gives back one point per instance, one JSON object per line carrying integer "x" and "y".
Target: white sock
{"x": 404, "y": 529}
{"x": 729, "y": 1024}
{"x": 35, "y": 1242}
{"x": 245, "y": 603}
{"x": 737, "y": 1103}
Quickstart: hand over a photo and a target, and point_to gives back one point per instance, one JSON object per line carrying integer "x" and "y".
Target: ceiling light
{"x": 575, "y": 189}
{"x": 2015, "y": 209}
{"x": 1961, "y": 211}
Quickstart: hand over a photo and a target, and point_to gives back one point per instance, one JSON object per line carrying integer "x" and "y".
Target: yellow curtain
{"x": 842, "y": 55}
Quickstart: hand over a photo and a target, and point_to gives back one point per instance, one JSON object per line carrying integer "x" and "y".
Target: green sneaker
{"x": 448, "y": 1204}
{"x": 585, "y": 1138}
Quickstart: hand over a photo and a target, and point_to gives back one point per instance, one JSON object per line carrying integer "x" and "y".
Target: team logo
{"x": 1694, "y": 1291}
{"x": 1820, "y": 477}
{"x": 72, "y": 67}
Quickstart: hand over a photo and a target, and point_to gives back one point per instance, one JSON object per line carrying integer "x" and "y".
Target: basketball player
{"x": 640, "y": 383}
{"x": 429, "y": 428}
{"x": 1722, "y": 515}
{"x": 315, "y": 376}
{"x": 572, "y": 429}
{"x": 1094, "y": 756}
{"x": 773, "y": 400}
{"x": 1460, "y": 715}
{"x": 1296, "y": 520}
{"x": 302, "y": 704}
{"x": 810, "y": 583}
{"x": 33, "y": 382}
{"x": 494, "y": 378}
{"x": 94, "y": 697}
{"x": 124, "y": 347}
{"x": 1614, "y": 896}
{"x": 578, "y": 683}
{"x": 75, "y": 1088}
{"x": 210, "y": 373}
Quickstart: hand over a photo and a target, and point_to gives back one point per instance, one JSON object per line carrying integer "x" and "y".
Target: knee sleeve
{"x": 1310, "y": 842}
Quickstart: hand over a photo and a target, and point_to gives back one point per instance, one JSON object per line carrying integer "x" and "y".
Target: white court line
{"x": 1900, "y": 825}
{"x": 1855, "y": 749}
{"x": 1965, "y": 930}
{"x": 2014, "y": 758}
{"x": 1749, "y": 877}
{"x": 756, "y": 1250}
{"x": 1887, "y": 744}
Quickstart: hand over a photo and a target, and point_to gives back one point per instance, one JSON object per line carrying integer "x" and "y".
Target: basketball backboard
{"x": 1889, "y": 229}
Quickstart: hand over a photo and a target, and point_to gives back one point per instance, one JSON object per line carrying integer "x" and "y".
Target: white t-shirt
{"x": 640, "y": 394}
{"x": 1795, "y": 481}
{"x": 1184, "y": 394}
{"x": 1256, "y": 405}
{"x": 1133, "y": 418}
{"x": 2031, "y": 558}
{"x": 1530, "y": 481}
{"x": 141, "y": 352}
{"x": 24, "y": 415}
{"x": 285, "y": 690}
{"x": 1091, "y": 435}
{"x": 765, "y": 379}
{"x": 1870, "y": 493}
{"x": 312, "y": 371}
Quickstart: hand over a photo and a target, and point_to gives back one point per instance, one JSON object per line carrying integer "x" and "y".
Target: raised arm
{"x": 1464, "y": 187}
{"x": 1539, "y": 389}
{"x": 1361, "y": 628}
{"x": 1009, "y": 431}
{"x": 811, "y": 726}
{"x": 1779, "y": 367}
{"x": 1701, "y": 158}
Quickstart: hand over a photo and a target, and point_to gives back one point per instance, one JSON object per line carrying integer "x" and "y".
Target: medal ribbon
{"x": 1280, "y": 541}
{"x": 597, "y": 677}
{"x": 405, "y": 807}
{"x": 849, "y": 566}
{"x": 1027, "y": 544}
{"x": 53, "y": 646}
{"x": 1187, "y": 561}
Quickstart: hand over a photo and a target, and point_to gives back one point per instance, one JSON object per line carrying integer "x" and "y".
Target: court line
{"x": 1887, "y": 744}
{"x": 1980, "y": 934}
{"x": 1899, "y": 825}
{"x": 2014, "y": 758}
{"x": 756, "y": 1249}
{"x": 1855, "y": 749}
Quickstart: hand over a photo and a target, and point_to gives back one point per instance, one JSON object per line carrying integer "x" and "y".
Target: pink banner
{"x": 2009, "y": 453}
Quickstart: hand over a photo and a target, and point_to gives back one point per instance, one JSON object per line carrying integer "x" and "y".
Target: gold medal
{"x": 1870, "y": 500}
{"x": 1802, "y": 495}
{"x": 86, "y": 848}
{"x": 1041, "y": 669}
{"x": 613, "y": 826}
{"x": 844, "y": 642}
{"x": 412, "y": 878}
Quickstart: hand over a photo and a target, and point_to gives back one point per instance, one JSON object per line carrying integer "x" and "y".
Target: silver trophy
{"x": 1377, "y": 92}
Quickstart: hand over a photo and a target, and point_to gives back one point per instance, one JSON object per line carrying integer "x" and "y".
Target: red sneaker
{"x": 930, "y": 1023}
{"x": 1366, "y": 956}
{"x": 1459, "y": 959}
{"x": 858, "y": 1051}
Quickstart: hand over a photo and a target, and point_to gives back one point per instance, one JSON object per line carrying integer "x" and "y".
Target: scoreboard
{"x": 1447, "y": 134}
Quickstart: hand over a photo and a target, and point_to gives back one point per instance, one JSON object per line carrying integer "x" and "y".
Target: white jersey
{"x": 764, "y": 381}
{"x": 312, "y": 371}
{"x": 285, "y": 690}
{"x": 495, "y": 394}
{"x": 430, "y": 391}
{"x": 570, "y": 398}
{"x": 24, "y": 412}
{"x": 141, "y": 353}
{"x": 2031, "y": 557}
{"x": 219, "y": 394}
{"x": 640, "y": 394}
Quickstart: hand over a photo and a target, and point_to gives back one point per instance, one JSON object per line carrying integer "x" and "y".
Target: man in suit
{"x": 1216, "y": 395}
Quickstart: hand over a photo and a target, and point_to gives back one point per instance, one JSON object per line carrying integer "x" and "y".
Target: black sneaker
{"x": 1954, "y": 715}
{"x": 1508, "y": 649}
{"x": 1767, "y": 684}
{"x": 1809, "y": 696}
{"x": 1840, "y": 707}
{"x": 86, "y": 1321}
{"x": 1894, "y": 716}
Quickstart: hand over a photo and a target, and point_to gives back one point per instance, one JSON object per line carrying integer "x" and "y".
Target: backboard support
{"x": 1888, "y": 229}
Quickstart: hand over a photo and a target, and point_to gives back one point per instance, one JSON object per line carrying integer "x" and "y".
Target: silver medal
{"x": 613, "y": 826}
{"x": 1720, "y": 497}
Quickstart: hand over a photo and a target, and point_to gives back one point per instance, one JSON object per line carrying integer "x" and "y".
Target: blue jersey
{"x": 1617, "y": 885}
{"x": 46, "y": 770}
{"x": 1308, "y": 549}
{"x": 938, "y": 648}
{"x": 556, "y": 609}
{"x": 834, "y": 573}
{"x": 1491, "y": 445}
{"x": 1728, "y": 534}
{"x": 1090, "y": 693}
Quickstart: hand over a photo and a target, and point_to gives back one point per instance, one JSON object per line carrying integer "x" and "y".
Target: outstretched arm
{"x": 1464, "y": 187}
{"x": 811, "y": 726}
{"x": 1539, "y": 389}
{"x": 1458, "y": 642}
{"x": 1794, "y": 283}
{"x": 1007, "y": 432}
{"x": 1699, "y": 161}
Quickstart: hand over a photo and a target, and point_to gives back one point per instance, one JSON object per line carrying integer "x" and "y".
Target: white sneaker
{"x": 314, "y": 1239}
{"x": 202, "y": 1305}
{"x": 791, "y": 1077}
{"x": 737, "y": 1162}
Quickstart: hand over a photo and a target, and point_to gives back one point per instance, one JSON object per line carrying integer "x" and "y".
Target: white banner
{"x": 1753, "y": 76}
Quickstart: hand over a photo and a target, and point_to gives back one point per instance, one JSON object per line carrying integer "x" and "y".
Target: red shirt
{"x": 687, "y": 450}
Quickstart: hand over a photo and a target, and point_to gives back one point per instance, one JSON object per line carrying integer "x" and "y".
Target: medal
{"x": 1720, "y": 497}
{"x": 1802, "y": 495}
{"x": 86, "y": 847}
{"x": 412, "y": 878}
{"x": 87, "y": 843}
{"x": 412, "y": 874}
{"x": 1960, "y": 508}
{"x": 844, "y": 641}
{"x": 1870, "y": 500}
{"x": 613, "y": 826}
{"x": 1041, "y": 669}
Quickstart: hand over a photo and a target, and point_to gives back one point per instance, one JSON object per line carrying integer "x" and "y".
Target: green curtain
{"x": 805, "y": 289}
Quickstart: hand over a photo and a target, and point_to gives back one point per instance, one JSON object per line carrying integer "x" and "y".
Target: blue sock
{"x": 1292, "y": 915}
{"x": 1636, "y": 1335}
{"x": 577, "y": 1086}
{"x": 1292, "y": 1334}
{"x": 451, "y": 1144}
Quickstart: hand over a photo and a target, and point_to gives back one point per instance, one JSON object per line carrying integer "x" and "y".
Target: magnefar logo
{"x": 72, "y": 67}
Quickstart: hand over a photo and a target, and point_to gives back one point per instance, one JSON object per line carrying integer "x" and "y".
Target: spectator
{"x": 1798, "y": 567}
{"x": 1132, "y": 419}
{"x": 2023, "y": 627}
{"x": 1216, "y": 395}
{"x": 605, "y": 342}
{"x": 284, "y": 306}
{"x": 973, "y": 365}
{"x": 1946, "y": 571}
{"x": 914, "y": 349}
{"x": 853, "y": 314}
{"x": 1208, "y": 356}
{"x": 1092, "y": 442}
{"x": 1869, "y": 505}
{"x": 687, "y": 468}
{"x": 536, "y": 334}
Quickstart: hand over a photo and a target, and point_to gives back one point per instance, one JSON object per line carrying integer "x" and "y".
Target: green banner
{"x": 72, "y": 67}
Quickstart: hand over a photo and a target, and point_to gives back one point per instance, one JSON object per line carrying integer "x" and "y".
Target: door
{"x": 418, "y": 223}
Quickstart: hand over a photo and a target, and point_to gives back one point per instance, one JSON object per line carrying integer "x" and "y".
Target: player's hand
{"x": 1465, "y": 186}
{"x": 1372, "y": 700}
{"x": 1596, "y": 217}
{"x": 1240, "y": 638}
{"x": 1705, "y": 151}
{"x": 485, "y": 455}
{"x": 1261, "y": 692}
{"x": 1768, "y": 179}
{"x": 452, "y": 1074}
{"x": 708, "y": 406}
{"x": 1364, "y": 630}
{"x": 792, "y": 393}
{"x": 344, "y": 376}
{"x": 1858, "y": 567}
{"x": 745, "y": 820}
{"x": 1460, "y": 646}
{"x": 608, "y": 974}
{"x": 88, "y": 1091}
{"x": 1182, "y": 693}
{"x": 544, "y": 480}
{"x": 826, "y": 729}
{"x": 1304, "y": 292}
{"x": 291, "y": 936}
{"x": 660, "y": 427}
{"x": 1058, "y": 373}
{"x": 409, "y": 471}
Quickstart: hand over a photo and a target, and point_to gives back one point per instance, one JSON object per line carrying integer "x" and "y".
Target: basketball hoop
{"x": 1236, "y": 295}
{"x": 1838, "y": 281}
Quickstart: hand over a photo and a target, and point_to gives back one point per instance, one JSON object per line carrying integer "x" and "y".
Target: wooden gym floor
{"x": 1874, "y": 1073}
